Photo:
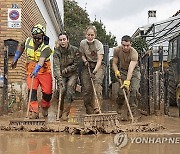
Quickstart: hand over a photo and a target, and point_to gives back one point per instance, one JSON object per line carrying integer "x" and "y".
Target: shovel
{"x": 127, "y": 102}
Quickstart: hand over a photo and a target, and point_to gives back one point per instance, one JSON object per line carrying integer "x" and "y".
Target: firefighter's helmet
{"x": 38, "y": 29}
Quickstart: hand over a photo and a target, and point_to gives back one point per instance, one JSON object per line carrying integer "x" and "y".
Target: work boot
{"x": 119, "y": 108}
{"x": 135, "y": 112}
{"x": 97, "y": 107}
{"x": 119, "y": 102}
{"x": 45, "y": 111}
{"x": 124, "y": 113}
{"x": 65, "y": 114}
{"x": 88, "y": 106}
{"x": 89, "y": 109}
{"x": 33, "y": 115}
{"x": 96, "y": 111}
{"x": 60, "y": 114}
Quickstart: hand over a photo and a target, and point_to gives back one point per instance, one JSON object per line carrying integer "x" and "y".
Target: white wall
{"x": 50, "y": 30}
{"x": 60, "y": 4}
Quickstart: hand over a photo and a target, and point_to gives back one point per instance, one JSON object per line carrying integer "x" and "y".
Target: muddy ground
{"x": 67, "y": 138}
{"x": 142, "y": 124}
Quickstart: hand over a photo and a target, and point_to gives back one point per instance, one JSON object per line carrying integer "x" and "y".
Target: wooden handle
{"x": 30, "y": 94}
{"x": 127, "y": 101}
{"x": 59, "y": 104}
{"x": 95, "y": 93}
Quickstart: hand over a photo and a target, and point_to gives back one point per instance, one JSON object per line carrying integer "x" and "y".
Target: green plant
{"x": 139, "y": 44}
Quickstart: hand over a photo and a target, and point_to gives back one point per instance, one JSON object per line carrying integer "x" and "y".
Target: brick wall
{"x": 5, "y": 32}
{"x": 30, "y": 16}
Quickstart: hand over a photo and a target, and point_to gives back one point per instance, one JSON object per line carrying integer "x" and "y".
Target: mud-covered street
{"x": 23, "y": 141}
{"x": 78, "y": 77}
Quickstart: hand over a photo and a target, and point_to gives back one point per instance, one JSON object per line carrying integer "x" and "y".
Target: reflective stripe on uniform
{"x": 34, "y": 55}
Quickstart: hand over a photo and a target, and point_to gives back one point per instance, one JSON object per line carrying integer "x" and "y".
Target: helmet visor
{"x": 36, "y": 30}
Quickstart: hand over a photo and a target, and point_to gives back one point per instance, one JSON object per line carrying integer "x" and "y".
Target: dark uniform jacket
{"x": 65, "y": 59}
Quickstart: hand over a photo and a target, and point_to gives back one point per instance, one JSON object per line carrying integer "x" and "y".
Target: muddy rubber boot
{"x": 45, "y": 111}
{"x": 60, "y": 113}
{"x": 119, "y": 102}
{"x": 33, "y": 115}
{"x": 119, "y": 109}
{"x": 134, "y": 108}
{"x": 124, "y": 113}
{"x": 89, "y": 108}
{"x": 96, "y": 111}
{"x": 124, "y": 116}
{"x": 65, "y": 114}
{"x": 136, "y": 113}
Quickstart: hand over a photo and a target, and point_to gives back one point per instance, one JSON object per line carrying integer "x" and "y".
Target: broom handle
{"x": 30, "y": 94}
{"x": 127, "y": 102}
{"x": 59, "y": 104}
{"x": 95, "y": 94}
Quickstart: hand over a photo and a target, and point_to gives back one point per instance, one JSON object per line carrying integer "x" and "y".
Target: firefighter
{"x": 125, "y": 66}
{"x": 65, "y": 63}
{"x": 38, "y": 67}
{"x": 92, "y": 56}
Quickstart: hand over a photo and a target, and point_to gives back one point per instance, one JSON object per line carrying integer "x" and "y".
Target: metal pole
{"x": 5, "y": 87}
{"x": 106, "y": 76}
{"x": 150, "y": 105}
{"x": 156, "y": 94}
{"x": 166, "y": 101}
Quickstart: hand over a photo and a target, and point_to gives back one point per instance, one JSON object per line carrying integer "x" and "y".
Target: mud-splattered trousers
{"x": 65, "y": 63}
{"x": 43, "y": 79}
{"x": 88, "y": 92}
{"x": 67, "y": 91}
{"x": 134, "y": 87}
{"x": 45, "y": 82}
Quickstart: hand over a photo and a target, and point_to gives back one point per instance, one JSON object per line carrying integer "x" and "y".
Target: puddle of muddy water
{"x": 62, "y": 143}
{"x": 43, "y": 143}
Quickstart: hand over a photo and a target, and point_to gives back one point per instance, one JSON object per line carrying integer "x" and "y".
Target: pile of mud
{"x": 51, "y": 125}
{"x": 77, "y": 129}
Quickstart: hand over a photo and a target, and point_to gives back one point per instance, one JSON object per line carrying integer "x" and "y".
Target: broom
{"x": 26, "y": 120}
